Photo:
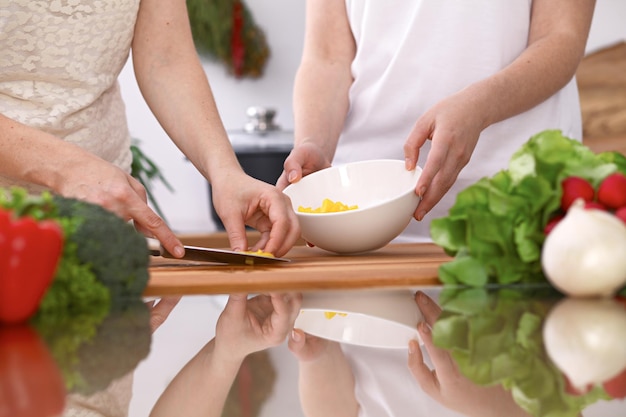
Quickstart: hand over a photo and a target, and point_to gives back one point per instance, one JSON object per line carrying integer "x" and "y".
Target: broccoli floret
{"x": 92, "y": 351}
{"x": 122, "y": 341}
{"x": 117, "y": 254}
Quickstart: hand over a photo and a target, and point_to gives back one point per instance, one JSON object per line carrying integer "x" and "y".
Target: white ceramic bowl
{"x": 373, "y": 318}
{"x": 383, "y": 190}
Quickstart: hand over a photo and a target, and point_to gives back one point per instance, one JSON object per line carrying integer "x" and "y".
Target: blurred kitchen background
{"x": 187, "y": 209}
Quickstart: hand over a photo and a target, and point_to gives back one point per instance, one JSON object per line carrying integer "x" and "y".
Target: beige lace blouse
{"x": 59, "y": 63}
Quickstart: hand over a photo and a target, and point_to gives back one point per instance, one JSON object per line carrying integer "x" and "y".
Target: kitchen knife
{"x": 201, "y": 254}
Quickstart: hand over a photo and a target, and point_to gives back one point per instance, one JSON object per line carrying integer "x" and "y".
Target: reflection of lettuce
{"x": 92, "y": 351}
{"x": 496, "y": 338}
{"x": 495, "y": 228}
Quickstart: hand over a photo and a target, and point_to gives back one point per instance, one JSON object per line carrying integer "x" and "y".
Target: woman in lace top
{"x": 63, "y": 125}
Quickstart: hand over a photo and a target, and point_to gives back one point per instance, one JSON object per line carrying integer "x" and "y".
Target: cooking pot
{"x": 261, "y": 148}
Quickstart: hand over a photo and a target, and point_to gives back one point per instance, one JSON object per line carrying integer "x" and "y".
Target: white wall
{"x": 187, "y": 210}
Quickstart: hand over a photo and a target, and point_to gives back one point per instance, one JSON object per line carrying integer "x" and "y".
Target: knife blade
{"x": 202, "y": 254}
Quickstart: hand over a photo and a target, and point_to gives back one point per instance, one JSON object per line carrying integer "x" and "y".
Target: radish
{"x": 574, "y": 188}
{"x": 612, "y": 191}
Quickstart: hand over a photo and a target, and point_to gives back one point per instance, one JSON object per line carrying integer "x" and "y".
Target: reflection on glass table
{"x": 508, "y": 337}
{"x": 498, "y": 352}
{"x": 89, "y": 358}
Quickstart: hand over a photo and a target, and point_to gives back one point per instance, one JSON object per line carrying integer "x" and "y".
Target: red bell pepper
{"x": 31, "y": 384}
{"x": 30, "y": 251}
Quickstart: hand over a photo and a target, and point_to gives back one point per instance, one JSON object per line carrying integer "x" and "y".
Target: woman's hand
{"x": 247, "y": 201}
{"x": 445, "y": 383}
{"x": 92, "y": 179}
{"x": 453, "y": 125}
{"x": 303, "y": 160}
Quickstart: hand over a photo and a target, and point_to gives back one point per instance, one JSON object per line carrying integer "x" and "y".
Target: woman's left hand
{"x": 453, "y": 126}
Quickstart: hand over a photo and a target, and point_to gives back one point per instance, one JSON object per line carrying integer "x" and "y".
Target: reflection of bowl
{"x": 383, "y": 190}
{"x": 383, "y": 319}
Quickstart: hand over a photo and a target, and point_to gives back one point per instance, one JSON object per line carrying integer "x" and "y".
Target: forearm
{"x": 327, "y": 385}
{"x": 321, "y": 104}
{"x": 323, "y": 80}
{"x": 556, "y": 45}
{"x": 33, "y": 156}
{"x": 201, "y": 387}
{"x": 175, "y": 86}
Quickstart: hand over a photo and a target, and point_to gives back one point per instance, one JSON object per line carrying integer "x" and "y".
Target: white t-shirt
{"x": 384, "y": 386}
{"x": 412, "y": 54}
{"x": 58, "y": 72}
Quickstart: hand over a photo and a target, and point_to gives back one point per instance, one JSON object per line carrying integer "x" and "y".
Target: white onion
{"x": 584, "y": 338}
{"x": 585, "y": 254}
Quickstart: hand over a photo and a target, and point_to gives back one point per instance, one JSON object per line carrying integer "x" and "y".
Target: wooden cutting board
{"x": 396, "y": 265}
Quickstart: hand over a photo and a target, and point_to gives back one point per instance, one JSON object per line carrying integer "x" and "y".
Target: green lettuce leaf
{"x": 494, "y": 230}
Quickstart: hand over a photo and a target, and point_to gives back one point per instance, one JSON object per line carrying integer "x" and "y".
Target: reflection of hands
{"x": 445, "y": 383}
{"x": 303, "y": 160}
{"x": 243, "y": 200}
{"x": 245, "y": 326}
{"x": 326, "y": 380}
{"x": 160, "y": 310}
{"x": 250, "y": 325}
{"x": 453, "y": 127}
{"x": 308, "y": 348}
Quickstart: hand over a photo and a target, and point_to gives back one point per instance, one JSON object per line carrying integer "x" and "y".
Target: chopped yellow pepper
{"x": 330, "y": 314}
{"x": 328, "y": 206}
{"x": 260, "y": 253}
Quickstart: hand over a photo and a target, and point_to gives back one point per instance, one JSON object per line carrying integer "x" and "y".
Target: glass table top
{"x": 503, "y": 351}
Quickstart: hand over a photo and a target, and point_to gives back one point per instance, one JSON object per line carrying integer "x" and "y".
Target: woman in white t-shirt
{"x": 462, "y": 84}
{"x": 453, "y": 86}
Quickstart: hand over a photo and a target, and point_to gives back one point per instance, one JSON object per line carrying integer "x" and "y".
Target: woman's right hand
{"x": 115, "y": 190}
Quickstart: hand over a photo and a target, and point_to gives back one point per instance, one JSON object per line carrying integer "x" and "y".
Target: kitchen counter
{"x": 494, "y": 336}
